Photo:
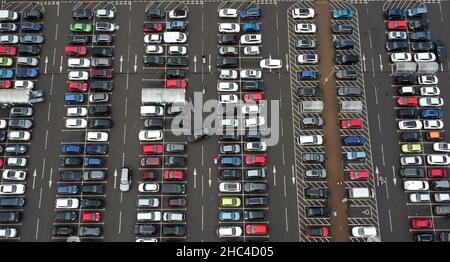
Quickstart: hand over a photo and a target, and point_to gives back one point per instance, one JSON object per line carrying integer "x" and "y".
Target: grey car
{"x": 316, "y": 173}
{"x": 27, "y": 61}
{"x": 305, "y": 44}
{"x": 85, "y": 231}
{"x": 9, "y": 39}
{"x": 20, "y": 123}
{"x": 31, "y": 39}
{"x": 229, "y": 51}
{"x": 313, "y": 157}
{"x": 175, "y": 109}
{"x": 312, "y": 122}
{"x": 347, "y": 74}
{"x": 175, "y": 148}
{"x": 102, "y": 39}
{"x": 255, "y": 187}
{"x": 349, "y": 91}
{"x": 102, "y": 62}
{"x": 147, "y": 202}
{"x": 94, "y": 175}
{"x": 21, "y": 111}
{"x": 230, "y": 148}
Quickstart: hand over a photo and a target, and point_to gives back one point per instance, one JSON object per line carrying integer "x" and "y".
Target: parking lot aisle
{"x": 339, "y": 227}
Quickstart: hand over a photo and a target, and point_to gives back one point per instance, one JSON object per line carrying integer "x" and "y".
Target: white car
{"x": 78, "y": 63}
{"x": 97, "y": 136}
{"x": 230, "y": 187}
{"x": 228, "y": 13}
{"x": 151, "y": 135}
{"x": 228, "y": 99}
{"x": 106, "y": 14}
{"x": 411, "y": 160}
{"x": 270, "y": 63}
{"x": 76, "y": 123}
{"x": 154, "y": 49}
{"x": 438, "y": 160}
{"x": 105, "y": 27}
{"x": 433, "y": 124}
{"x": 148, "y": 216}
{"x": 175, "y": 37}
{"x": 424, "y": 57}
{"x": 67, "y": 203}
{"x": 427, "y": 80}
{"x": 255, "y": 121}
{"x": 19, "y": 135}
{"x": 303, "y": 13}
{"x": 16, "y": 175}
{"x": 364, "y": 231}
{"x": 227, "y": 87}
{"x": 430, "y": 91}
{"x": 416, "y": 185}
{"x": 250, "y": 109}
{"x": 178, "y": 14}
{"x": 397, "y": 35}
{"x": 252, "y": 50}
{"x": 9, "y": 39}
{"x": 251, "y": 39}
{"x": 17, "y": 161}
{"x": 310, "y": 140}
{"x": 78, "y": 75}
{"x": 177, "y": 50}
{"x": 148, "y": 187}
{"x": 431, "y": 101}
{"x": 27, "y": 84}
{"x": 8, "y": 232}
{"x": 229, "y": 123}
{"x": 419, "y": 197}
{"x": 255, "y": 146}
{"x": 27, "y": 61}
{"x": 305, "y": 28}
{"x": 228, "y": 74}
{"x": 410, "y": 125}
{"x": 147, "y": 240}
{"x": 3, "y": 124}
{"x": 229, "y": 28}
{"x": 153, "y": 39}
{"x": 442, "y": 197}
{"x": 401, "y": 57}
{"x": 229, "y": 231}
{"x": 12, "y": 189}
{"x": 308, "y": 59}
{"x": 441, "y": 147}
{"x": 77, "y": 111}
{"x": 251, "y": 74}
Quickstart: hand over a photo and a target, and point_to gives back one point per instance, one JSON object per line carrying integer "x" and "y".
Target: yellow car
{"x": 230, "y": 202}
{"x": 411, "y": 148}
{"x": 6, "y": 61}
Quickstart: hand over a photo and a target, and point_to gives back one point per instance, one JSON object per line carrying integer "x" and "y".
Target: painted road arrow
{"x": 195, "y": 178}
{"x": 115, "y": 178}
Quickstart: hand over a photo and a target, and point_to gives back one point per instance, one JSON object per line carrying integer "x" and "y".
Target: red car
{"x": 407, "y": 101}
{"x": 150, "y": 161}
{"x": 75, "y": 50}
{"x": 1, "y": 163}
{"x": 150, "y": 175}
{"x": 152, "y": 149}
{"x": 101, "y": 73}
{"x": 418, "y": 223}
{"x": 91, "y": 217}
{"x": 256, "y": 160}
{"x": 77, "y": 87}
{"x": 176, "y": 83}
{"x": 8, "y": 51}
{"x": 253, "y": 97}
{"x": 360, "y": 175}
{"x": 257, "y": 229}
{"x": 177, "y": 175}
{"x": 352, "y": 123}
{"x": 317, "y": 231}
{"x": 437, "y": 173}
{"x": 4, "y": 84}
{"x": 153, "y": 27}
{"x": 397, "y": 25}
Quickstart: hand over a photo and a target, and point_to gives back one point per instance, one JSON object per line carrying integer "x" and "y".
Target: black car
{"x": 175, "y": 148}
{"x": 349, "y": 91}
{"x": 91, "y": 203}
{"x": 308, "y": 91}
{"x": 99, "y": 123}
{"x": 252, "y": 86}
{"x": 102, "y": 39}
{"x": 422, "y": 46}
{"x": 175, "y": 161}
{"x": 93, "y": 189}
{"x": 10, "y": 216}
{"x": 346, "y": 59}
{"x": 175, "y": 73}
{"x": 410, "y": 136}
{"x": 318, "y": 193}
{"x": 344, "y": 44}
{"x": 101, "y": 86}
{"x": 256, "y": 201}
{"x": 396, "y": 46}
{"x": 177, "y": 202}
{"x": 173, "y": 188}
{"x": 412, "y": 172}
{"x": 145, "y": 230}
{"x": 33, "y": 14}
{"x": 102, "y": 52}
{"x": 154, "y": 123}
{"x": 408, "y": 113}
{"x": 70, "y": 175}
{"x": 71, "y": 161}
{"x": 304, "y": 43}
{"x": 7, "y": 27}
{"x": 2, "y": 135}
{"x": 82, "y": 14}
{"x": 79, "y": 40}
{"x": 254, "y": 215}
{"x": 312, "y": 122}
{"x": 198, "y": 135}
{"x": 174, "y": 230}
{"x": 395, "y": 14}
{"x": 99, "y": 110}
{"x": 154, "y": 60}
{"x": 342, "y": 29}
{"x": 65, "y": 216}
{"x": 230, "y": 174}
{"x": 28, "y": 50}
{"x": 313, "y": 158}
{"x": 405, "y": 80}
{"x": 227, "y": 39}
{"x": 15, "y": 149}
{"x": 441, "y": 51}
{"x": 90, "y": 231}
{"x": 155, "y": 13}
{"x": 444, "y": 236}
{"x": 317, "y": 211}
{"x": 227, "y": 62}
{"x": 418, "y": 25}
{"x": 420, "y": 36}
{"x": 62, "y": 231}
{"x": 178, "y": 61}
{"x": 12, "y": 202}
{"x": 230, "y": 137}
{"x": 424, "y": 237}
{"x": 93, "y": 149}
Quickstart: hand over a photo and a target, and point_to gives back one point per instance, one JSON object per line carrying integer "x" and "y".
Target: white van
{"x": 361, "y": 192}
{"x": 149, "y": 216}
{"x": 152, "y": 111}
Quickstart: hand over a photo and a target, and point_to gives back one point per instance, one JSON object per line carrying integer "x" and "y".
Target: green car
{"x": 80, "y": 28}
{"x": 6, "y": 61}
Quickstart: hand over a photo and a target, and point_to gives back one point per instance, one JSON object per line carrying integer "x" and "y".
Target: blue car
{"x": 354, "y": 140}
{"x": 67, "y": 190}
{"x": 31, "y": 26}
{"x": 230, "y": 161}
{"x": 355, "y": 155}
{"x": 26, "y": 72}
{"x": 96, "y": 150}
{"x": 251, "y": 27}
{"x": 250, "y": 13}
{"x": 395, "y": 14}
{"x": 432, "y": 114}
{"x": 342, "y": 14}
{"x": 70, "y": 149}
{"x": 6, "y": 73}
{"x": 229, "y": 216}
{"x": 176, "y": 26}
{"x": 308, "y": 75}
{"x": 71, "y": 99}
{"x": 93, "y": 162}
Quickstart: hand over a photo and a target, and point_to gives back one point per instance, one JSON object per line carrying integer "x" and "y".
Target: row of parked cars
{"x": 420, "y": 108}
